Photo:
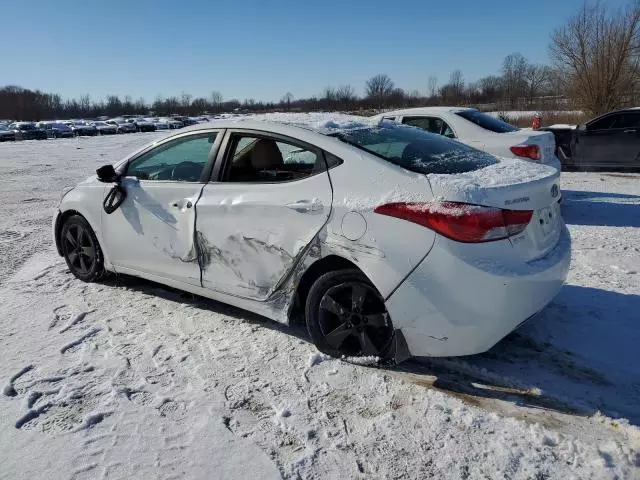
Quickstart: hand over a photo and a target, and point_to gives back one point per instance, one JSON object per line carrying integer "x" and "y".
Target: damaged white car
{"x": 387, "y": 240}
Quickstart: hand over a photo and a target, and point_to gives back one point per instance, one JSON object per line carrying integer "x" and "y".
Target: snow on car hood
{"x": 509, "y": 182}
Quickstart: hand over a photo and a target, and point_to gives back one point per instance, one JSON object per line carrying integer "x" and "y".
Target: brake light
{"x": 527, "y": 151}
{"x": 461, "y": 221}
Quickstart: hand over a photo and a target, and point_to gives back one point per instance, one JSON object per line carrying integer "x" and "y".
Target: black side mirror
{"x": 107, "y": 174}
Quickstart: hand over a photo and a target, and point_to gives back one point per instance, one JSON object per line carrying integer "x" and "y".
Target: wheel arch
{"x": 318, "y": 268}
{"x": 61, "y": 218}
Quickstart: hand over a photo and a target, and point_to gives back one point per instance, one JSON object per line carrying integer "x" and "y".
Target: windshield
{"x": 487, "y": 121}
{"x": 416, "y": 150}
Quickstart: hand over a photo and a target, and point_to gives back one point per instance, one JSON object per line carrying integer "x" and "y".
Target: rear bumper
{"x": 452, "y": 305}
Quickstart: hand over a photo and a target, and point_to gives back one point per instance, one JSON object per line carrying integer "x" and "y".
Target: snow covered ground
{"x": 128, "y": 379}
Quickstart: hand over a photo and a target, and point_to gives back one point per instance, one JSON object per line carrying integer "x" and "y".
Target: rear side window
{"x": 487, "y": 121}
{"x": 416, "y": 150}
{"x": 259, "y": 159}
{"x": 430, "y": 124}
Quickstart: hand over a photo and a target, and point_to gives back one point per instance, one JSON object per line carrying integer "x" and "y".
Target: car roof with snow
{"x": 426, "y": 110}
{"x": 292, "y": 124}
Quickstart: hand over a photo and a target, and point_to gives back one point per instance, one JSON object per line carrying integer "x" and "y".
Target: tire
{"x": 81, "y": 250}
{"x": 346, "y": 316}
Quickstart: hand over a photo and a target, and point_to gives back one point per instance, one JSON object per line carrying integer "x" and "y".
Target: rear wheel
{"x": 81, "y": 249}
{"x": 346, "y": 316}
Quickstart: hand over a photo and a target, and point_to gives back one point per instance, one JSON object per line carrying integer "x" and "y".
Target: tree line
{"x": 595, "y": 67}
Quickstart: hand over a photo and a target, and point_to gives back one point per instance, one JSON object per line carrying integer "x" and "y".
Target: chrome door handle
{"x": 304, "y": 206}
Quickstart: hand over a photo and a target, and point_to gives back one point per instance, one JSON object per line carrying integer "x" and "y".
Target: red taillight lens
{"x": 527, "y": 151}
{"x": 460, "y": 221}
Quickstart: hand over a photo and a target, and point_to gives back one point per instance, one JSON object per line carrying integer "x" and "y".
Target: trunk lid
{"x": 511, "y": 184}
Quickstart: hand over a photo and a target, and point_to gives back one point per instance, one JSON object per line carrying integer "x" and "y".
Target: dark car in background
{"x": 6, "y": 135}
{"x": 55, "y": 129}
{"x": 27, "y": 131}
{"x": 81, "y": 128}
{"x": 105, "y": 128}
{"x": 608, "y": 142}
{"x": 122, "y": 125}
{"x": 142, "y": 125}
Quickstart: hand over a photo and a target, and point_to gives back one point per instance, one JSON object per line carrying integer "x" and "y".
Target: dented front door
{"x": 250, "y": 235}
{"x": 153, "y": 230}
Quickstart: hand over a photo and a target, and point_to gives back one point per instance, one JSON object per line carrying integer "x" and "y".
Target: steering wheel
{"x": 189, "y": 171}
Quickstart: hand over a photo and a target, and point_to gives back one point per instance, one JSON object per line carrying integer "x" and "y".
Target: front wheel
{"x": 346, "y": 316}
{"x": 81, "y": 249}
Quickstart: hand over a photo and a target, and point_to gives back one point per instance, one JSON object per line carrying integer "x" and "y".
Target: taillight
{"x": 527, "y": 151}
{"x": 461, "y": 221}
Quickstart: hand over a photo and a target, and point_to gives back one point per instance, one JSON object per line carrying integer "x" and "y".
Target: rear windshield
{"x": 416, "y": 150}
{"x": 487, "y": 121}
{"x": 26, "y": 126}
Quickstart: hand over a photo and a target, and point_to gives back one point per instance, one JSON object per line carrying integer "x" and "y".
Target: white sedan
{"x": 481, "y": 131}
{"x": 387, "y": 240}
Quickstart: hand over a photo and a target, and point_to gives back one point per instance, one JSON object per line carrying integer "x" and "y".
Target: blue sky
{"x": 263, "y": 49}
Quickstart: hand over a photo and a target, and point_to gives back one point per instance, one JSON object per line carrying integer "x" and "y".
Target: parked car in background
{"x": 481, "y": 131}
{"x": 161, "y": 123}
{"x": 122, "y": 126}
{"x": 6, "y": 135}
{"x": 435, "y": 248}
{"x": 55, "y": 129}
{"x": 81, "y": 128}
{"x": 142, "y": 125}
{"x": 173, "y": 123}
{"x": 105, "y": 128}
{"x": 27, "y": 131}
{"x": 608, "y": 142}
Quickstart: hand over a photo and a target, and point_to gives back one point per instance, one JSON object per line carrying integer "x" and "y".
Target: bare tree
{"x": 490, "y": 87}
{"x": 432, "y": 86}
{"x": 185, "y": 100}
{"x": 345, "y": 95}
{"x": 286, "y": 100}
{"x": 536, "y": 78}
{"x": 379, "y": 88}
{"x": 514, "y": 69}
{"x": 216, "y": 100}
{"x": 599, "y": 53}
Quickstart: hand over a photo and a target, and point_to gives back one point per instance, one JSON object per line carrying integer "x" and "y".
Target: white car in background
{"x": 389, "y": 241}
{"x": 481, "y": 131}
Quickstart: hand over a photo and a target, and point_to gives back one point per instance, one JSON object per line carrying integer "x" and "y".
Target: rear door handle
{"x": 304, "y": 206}
{"x": 630, "y": 131}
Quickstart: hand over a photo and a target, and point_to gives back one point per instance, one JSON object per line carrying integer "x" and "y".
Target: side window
{"x": 182, "y": 160}
{"x": 447, "y": 131}
{"x": 627, "y": 120}
{"x": 430, "y": 124}
{"x": 603, "y": 123}
{"x": 332, "y": 160}
{"x": 267, "y": 160}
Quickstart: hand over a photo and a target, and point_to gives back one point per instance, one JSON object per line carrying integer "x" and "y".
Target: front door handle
{"x": 630, "y": 131}
{"x": 304, "y": 206}
{"x": 184, "y": 203}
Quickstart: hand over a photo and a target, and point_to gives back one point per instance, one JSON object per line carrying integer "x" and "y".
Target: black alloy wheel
{"x": 346, "y": 316}
{"x": 81, "y": 250}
